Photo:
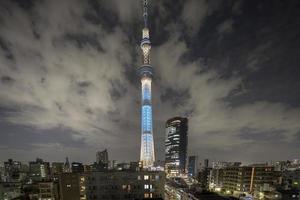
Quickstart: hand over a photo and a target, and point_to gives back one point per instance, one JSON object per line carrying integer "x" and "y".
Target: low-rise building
{"x": 57, "y": 168}
{"x": 48, "y": 191}
{"x": 216, "y": 179}
{"x": 125, "y": 185}
{"x": 111, "y": 184}
{"x": 10, "y": 190}
{"x": 291, "y": 179}
{"x": 248, "y": 179}
{"x": 39, "y": 169}
{"x": 71, "y": 186}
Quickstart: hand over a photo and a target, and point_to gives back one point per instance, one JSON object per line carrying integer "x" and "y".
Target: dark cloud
{"x": 175, "y": 97}
{"x": 7, "y": 80}
{"x": 100, "y": 15}
{"x": 261, "y": 136}
{"x": 24, "y": 137}
{"x": 297, "y": 137}
{"x": 7, "y": 52}
{"x": 25, "y": 4}
{"x": 117, "y": 90}
{"x": 82, "y": 40}
{"x": 84, "y": 84}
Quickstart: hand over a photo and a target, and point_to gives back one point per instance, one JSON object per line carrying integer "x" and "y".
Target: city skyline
{"x": 69, "y": 85}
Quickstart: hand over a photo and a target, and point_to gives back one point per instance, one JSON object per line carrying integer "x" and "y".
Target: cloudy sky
{"x": 68, "y": 84}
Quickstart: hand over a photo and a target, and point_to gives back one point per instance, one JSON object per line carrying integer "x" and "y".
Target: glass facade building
{"x": 176, "y": 146}
{"x": 193, "y": 166}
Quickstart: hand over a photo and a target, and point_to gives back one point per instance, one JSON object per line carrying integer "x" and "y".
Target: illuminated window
{"x": 139, "y": 177}
{"x": 146, "y": 195}
{"x": 146, "y": 177}
{"x": 146, "y": 186}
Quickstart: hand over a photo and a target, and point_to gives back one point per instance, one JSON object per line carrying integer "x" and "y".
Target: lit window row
{"x": 148, "y": 195}
{"x": 147, "y": 186}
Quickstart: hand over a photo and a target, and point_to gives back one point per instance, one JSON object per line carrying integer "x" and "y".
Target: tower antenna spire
{"x": 145, "y": 14}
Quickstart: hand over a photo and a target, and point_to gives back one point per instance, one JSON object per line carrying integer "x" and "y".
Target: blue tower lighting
{"x": 145, "y": 72}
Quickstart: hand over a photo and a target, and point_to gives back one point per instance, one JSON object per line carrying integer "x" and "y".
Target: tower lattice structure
{"x": 145, "y": 72}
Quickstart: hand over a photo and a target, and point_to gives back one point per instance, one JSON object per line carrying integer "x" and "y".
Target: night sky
{"x": 68, "y": 82}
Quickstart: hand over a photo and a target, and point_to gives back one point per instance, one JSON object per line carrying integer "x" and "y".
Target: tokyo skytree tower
{"x": 145, "y": 72}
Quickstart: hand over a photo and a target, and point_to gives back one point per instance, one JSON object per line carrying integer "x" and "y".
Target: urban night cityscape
{"x": 145, "y": 99}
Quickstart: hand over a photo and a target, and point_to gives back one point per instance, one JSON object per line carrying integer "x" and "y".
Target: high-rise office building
{"x": 145, "y": 72}
{"x": 193, "y": 166}
{"x": 102, "y": 157}
{"x": 206, "y": 163}
{"x": 176, "y": 145}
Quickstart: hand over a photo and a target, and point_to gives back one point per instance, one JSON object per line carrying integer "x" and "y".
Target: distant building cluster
{"x": 40, "y": 180}
{"x": 274, "y": 180}
{"x": 179, "y": 176}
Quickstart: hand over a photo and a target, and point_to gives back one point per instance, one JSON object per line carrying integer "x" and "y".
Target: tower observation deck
{"x": 145, "y": 72}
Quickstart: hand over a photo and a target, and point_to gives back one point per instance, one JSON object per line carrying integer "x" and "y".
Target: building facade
{"x": 11, "y": 170}
{"x": 39, "y": 169}
{"x": 102, "y": 157}
{"x": 77, "y": 167}
{"x": 193, "y": 166}
{"x": 48, "y": 191}
{"x": 57, "y": 168}
{"x": 72, "y": 186}
{"x": 248, "y": 179}
{"x": 112, "y": 185}
{"x": 204, "y": 177}
{"x": 176, "y": 146}
{"x": 216, "y": 179}
{"x": 122, "y": 185}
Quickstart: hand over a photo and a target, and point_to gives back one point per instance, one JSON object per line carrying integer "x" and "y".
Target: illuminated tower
{"x": 145, "y": 72}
